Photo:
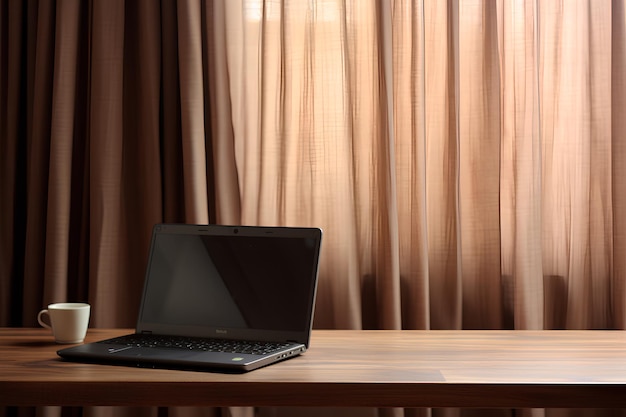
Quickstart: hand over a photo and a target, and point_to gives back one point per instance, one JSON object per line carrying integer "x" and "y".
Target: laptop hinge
{"x": 146, "y": 332}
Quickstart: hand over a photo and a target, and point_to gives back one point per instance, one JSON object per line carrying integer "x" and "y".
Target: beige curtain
{"x": 462, "y": 157}
{"x": 466, "y": 159}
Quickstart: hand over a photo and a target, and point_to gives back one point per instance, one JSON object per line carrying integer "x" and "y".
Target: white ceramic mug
{"x": 68, "y": 321}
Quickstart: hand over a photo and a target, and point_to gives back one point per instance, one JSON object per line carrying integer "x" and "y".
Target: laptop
{"x": 219, "y": 298}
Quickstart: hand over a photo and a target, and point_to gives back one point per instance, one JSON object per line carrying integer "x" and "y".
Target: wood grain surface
{"x": 504, "y": 369}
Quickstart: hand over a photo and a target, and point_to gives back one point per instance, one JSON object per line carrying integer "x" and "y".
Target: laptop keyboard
{"x": 198, "y": 344}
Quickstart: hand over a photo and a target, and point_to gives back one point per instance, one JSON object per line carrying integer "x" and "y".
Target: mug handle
{"x": 40, "y": 319}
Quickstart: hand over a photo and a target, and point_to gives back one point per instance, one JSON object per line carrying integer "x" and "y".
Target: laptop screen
{"x": 224, "y": 278}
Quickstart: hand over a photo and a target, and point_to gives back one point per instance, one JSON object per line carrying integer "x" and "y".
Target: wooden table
{"x": 507, "y": 369}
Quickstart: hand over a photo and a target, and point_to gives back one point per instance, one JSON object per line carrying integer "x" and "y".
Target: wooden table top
{"x": 508, "y": 369}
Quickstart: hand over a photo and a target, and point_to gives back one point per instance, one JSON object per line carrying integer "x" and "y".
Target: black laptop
{"x": 219, "y": 298}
